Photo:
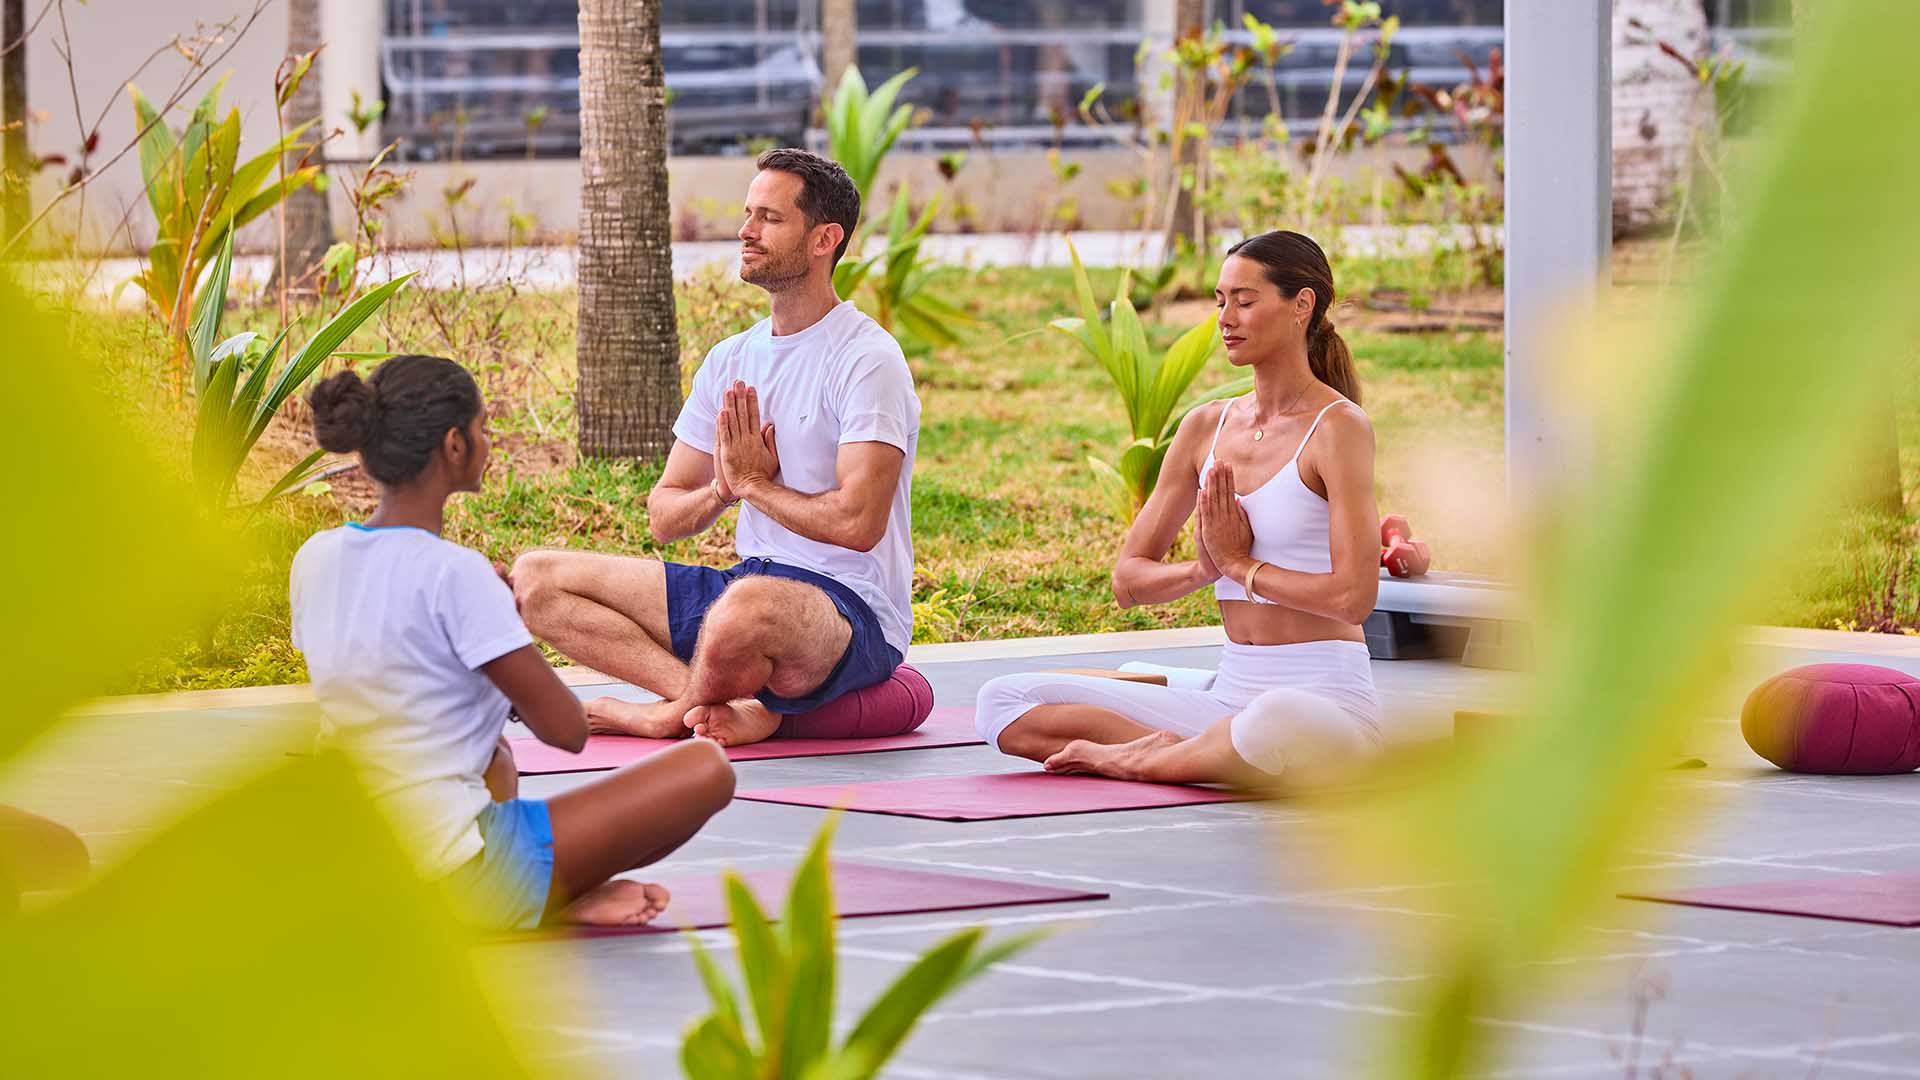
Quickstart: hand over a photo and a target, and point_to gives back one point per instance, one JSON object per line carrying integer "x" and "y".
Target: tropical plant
{"x": 896, "y": 280}
{"x": 862, "y": 127}
{"x": 232, "y": 414}
{"x": 789, "y": 977}
{"x": 200, "y": 192}
{"x": 1151, "y": 384}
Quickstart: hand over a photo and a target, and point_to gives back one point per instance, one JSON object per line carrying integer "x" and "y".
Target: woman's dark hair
{"x": 396, "y": 418}
{"x": 1293, "y": 262}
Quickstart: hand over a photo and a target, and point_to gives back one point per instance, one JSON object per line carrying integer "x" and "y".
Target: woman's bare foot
{"x": 617, "y": 903}
{"x": 646, "y": 719}
{"x": 1120, "y": 761}
{"x": 735, "y": 723}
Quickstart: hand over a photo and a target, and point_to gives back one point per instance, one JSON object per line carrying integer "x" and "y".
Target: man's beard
{"x": 775, "y": 272}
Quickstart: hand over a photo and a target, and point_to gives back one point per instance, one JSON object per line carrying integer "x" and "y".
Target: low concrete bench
{"x": 1444, "y": 615}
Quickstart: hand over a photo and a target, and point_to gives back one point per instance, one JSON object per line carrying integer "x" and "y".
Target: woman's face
{"x": 1255, "y": 320}
{"x": 479, "y": 453}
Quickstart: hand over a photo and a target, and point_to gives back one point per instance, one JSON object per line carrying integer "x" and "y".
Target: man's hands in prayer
{"x": 745, "y": 455}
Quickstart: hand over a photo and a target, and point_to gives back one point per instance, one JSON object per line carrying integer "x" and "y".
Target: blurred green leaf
{"x": 278, "y": 932}
{"x": 1758, "y": 409}
{"x": 117, "y": 561}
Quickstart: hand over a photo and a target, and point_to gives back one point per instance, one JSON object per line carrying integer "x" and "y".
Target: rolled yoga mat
{"x": 1885, "y": 899}
{"x": 1180, "y": 678}
{"x": 993, "y": 796}
{"x": 945, "y": 727}
{"x": 699, "y": 902}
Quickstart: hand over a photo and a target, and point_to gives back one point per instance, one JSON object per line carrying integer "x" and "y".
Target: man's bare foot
{"x": 736, "y": 723}
{"x": 646, "y": 719}
{"x": 1120, "y": 761}
{"x": 617, "y": 903}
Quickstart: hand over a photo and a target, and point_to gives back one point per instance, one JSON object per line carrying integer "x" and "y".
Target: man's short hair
{"x": 826, "y": 191}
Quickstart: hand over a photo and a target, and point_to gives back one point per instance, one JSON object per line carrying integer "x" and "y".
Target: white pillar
{"x": 1559, "y": 149}
{"x": 353, "y": 30}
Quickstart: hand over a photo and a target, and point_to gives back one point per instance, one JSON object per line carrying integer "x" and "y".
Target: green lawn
{"x": 1012, "y": 536}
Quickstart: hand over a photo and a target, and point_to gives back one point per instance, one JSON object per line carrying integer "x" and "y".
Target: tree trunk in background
{"x": 629, "y": 343}
{"x": 839, "y": 37}
{"x": 15, "y": 206}
{"x": 1658, "y": 108}
{"x": 1189, "y": 18}
{"x": 309, "y": 226}
{"x": 1880, "y": 486}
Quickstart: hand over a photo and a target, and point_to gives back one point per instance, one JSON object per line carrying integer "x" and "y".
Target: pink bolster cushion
{"x": 894, "y": 706}
{"x": 1836, "y": 718}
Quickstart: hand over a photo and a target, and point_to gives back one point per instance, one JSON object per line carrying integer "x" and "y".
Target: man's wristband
{"x": 714, "y": 486}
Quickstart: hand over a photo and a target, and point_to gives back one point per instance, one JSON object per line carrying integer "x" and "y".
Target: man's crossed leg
{"x": 711, "y": 647}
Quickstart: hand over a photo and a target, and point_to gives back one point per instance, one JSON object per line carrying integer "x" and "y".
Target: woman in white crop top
{"x": 1281, "y": 482}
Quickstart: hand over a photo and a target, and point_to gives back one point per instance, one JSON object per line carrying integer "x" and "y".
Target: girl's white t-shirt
{"x": 395, "y": 624}
{"x": 841, "y": 380}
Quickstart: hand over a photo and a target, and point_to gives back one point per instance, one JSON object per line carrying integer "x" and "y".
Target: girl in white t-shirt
{"x": 417, "y": 655}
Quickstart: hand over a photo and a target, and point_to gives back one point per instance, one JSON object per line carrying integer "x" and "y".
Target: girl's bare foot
{"x": 735, "y": 723}
{"x": 617, "y": 903}
{"x": 1121, "y": 761}
{"x": 646, "y": 719}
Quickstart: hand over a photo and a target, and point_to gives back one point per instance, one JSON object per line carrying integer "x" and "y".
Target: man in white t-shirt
{"x": 810, "y": 421}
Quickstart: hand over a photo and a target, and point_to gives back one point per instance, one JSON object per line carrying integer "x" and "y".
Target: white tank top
{"x": 1291, "y": 524}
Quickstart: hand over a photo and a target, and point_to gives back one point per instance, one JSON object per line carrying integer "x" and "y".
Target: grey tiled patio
{"x": 1225, "y": 949}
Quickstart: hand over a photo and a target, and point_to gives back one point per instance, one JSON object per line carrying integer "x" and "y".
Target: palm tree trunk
{"x": 629, "y": 343}
{"x": 1189, "y": 19}
{"x": 15, "y": 206}
{"x": 1659, "y": 108}
{"x": 309, "y": 226}
{"x": 839, "y": 38}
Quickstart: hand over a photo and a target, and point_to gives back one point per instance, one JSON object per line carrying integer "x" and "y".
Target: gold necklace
{"x": 1260, "y": 432}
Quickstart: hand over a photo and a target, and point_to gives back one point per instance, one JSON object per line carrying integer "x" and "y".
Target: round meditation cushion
{"x": 1836, "y": 718}
{"x": 894, "y": 706}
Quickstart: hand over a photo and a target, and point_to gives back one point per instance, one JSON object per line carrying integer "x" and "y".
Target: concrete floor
{"x": 1224, "y": 950}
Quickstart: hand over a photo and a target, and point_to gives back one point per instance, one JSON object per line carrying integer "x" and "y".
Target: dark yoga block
{"x": 1394, "y": 635}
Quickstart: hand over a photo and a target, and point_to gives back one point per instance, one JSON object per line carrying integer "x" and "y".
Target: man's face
{"x": 777, "y": 247}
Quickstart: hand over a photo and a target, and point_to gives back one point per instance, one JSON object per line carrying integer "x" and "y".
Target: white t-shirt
{"x": 395, "y": 624}
{"x": 841, "y": 380}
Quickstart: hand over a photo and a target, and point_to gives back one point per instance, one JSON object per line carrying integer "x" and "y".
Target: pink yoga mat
{"x": 994, "y": 796}
{"x": 945, "y": 727}
{"x": 1888, "y": 899}
{"x": 859, "y": 889}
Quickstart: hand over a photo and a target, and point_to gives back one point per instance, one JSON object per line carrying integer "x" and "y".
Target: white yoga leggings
{"x": 1307, "y": 711}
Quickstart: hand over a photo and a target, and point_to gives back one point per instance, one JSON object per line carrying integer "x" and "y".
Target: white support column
{"x": 353, "y": 30}
{"x": 1559, "y": 150}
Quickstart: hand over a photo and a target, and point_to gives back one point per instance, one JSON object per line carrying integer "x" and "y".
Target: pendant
{"x": 1258, "y": 434}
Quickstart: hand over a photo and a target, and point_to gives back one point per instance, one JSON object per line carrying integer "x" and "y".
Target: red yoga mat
{"x": 1887, "y": 899}
{"x": 859, "y": 890}
{"x": 994, "y": 796}
{"x": 945, "y": 727}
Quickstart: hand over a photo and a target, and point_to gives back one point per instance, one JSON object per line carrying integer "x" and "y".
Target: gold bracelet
{"x": 1251, "y": 571}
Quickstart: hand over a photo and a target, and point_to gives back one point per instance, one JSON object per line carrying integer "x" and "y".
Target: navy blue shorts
{"x": 691, "y": 590}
